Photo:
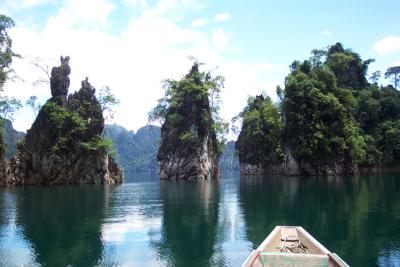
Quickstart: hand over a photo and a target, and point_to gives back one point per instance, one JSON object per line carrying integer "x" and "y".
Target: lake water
{"x": 145, "y": 222}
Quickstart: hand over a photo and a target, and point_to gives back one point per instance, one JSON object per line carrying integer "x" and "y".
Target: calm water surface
{"x": 146, "y": 222}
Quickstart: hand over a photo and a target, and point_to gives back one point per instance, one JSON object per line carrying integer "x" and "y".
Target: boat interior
{"x": 292, "y": 246}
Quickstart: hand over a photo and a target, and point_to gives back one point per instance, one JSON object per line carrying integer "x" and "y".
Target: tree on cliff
{"x": 107, "y": 101}
{"x": 181, "y": 94}
{"x": 259, "y": 141}
{"x": 33, "y": 103}
{"x": 394, "y": 73}
{"x": 349, "y": 69}
{"x": 6, "y": 54}
{"x": 190, "y": 126}
{"x": 320, "y": 129}
{"x": 332, "y": 112}
{"x": 8, "y": 105}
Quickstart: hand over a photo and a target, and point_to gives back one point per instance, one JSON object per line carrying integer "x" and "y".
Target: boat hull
{"x": 292, "y": 246}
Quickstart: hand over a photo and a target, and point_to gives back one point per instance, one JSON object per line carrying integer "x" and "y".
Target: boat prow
{"x": 292, "y": 246}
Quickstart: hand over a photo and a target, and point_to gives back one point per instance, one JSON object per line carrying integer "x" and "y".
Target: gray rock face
{"x": 291, "y": 167}
{"x": 294, "y": 168}
{"x": 59, "y": 81}
{"x": 331, "y": 169}
{"x": 64, "y": 144}
{"x": 249, "y": 169}
{"x": 203, "y": 164}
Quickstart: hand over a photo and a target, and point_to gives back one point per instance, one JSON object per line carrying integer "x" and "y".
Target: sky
{"x": 133, "y": 45}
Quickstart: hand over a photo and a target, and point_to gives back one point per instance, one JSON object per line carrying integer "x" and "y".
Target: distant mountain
{"x": 11, "y": 138}
{"x": 135, "y": 152}
{"x": 138, "y": 152}
{"x": 229, "y": 160}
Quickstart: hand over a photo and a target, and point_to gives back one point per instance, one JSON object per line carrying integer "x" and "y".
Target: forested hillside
{"x": 135, "y": 152}
{"x": 11, "y": 138}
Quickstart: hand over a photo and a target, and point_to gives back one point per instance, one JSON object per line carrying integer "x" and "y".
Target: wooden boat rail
{"x": 312, "y": 253}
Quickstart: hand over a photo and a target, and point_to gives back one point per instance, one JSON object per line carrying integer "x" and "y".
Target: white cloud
{"x": 12, "y": 6}
{"x": 395, "y": 63}
{"x": 222, "y": 17}
{"x": 81, "y": 14}
{"x": 247, "y": 79}
{"x": 220, "y": 39}
{"x": 137, "y": 3}
{"x": 326, "y": 33}
{"x": 152, "y": 47}
{"x": 388, "y": 45}
{"x": 197, "y": 23}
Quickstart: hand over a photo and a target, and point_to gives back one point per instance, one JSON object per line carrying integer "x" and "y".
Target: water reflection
{"x": 232, "y": 246}
{"x": 11, "y": 237}
{"x": 62, "y": 223}
{"x": 346, "y": 214}
{"x": 189, "y": 225}
{"x": 133, "y": 225}
{"x": 146, "y": 222}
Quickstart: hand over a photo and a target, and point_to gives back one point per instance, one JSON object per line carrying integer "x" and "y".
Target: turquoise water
{"x": 145, "y": 222}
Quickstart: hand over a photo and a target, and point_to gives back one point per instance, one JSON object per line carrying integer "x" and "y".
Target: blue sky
{"x": 132, "y": 45}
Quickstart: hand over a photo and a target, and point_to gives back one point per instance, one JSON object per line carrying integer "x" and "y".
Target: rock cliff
{"x": 189, "y": 148}
{"x": 65, "y": 143}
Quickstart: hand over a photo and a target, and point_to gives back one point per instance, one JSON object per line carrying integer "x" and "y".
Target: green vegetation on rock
{"x": 72, "y": 128}
{"x": 192, "y": 132}
{"x": 195, "y": 96}
{"x": 334, "y": 120}
{"x": 259, "y": 142}
{"x": 319, "y": 125}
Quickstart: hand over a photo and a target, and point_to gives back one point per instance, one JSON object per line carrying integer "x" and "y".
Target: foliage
{"x": 61, "y": 117}
{"x": 6, "y": 53}
{"x": 99, "y": 143}
{"x": 349, "y": 69}
{"x": 375, "y": 76}
{"x": 8, "y": 105}
{"x": 333, "y": 114}
{"x": 107, "y": 101}
{"x": 378, "y": 113}
{"x": 11, "y": 137}
{"x": 259, "y": 141}
{"x": 190, "y": 109}
{"x": 320, "y": 128}
{"x": 33, "y": 104}
{"x": 70, "y": 125}
{"x": 73, "y": 130}
{"x": 394, "y": 73}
